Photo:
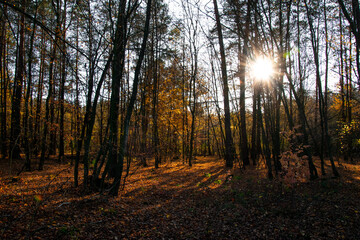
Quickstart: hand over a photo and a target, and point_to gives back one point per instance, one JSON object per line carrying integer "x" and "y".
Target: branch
{"x": 40, "y": 24}
{"x": 347, "y": 15}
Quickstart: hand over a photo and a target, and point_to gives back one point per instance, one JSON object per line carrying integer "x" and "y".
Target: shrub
{"x": 349, "y": 138}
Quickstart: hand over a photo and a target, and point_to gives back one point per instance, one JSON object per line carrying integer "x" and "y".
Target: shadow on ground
{"x": 179, "y": 202}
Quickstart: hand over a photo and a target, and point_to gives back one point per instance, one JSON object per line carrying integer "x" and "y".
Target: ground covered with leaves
{"x": 175, "y": 201}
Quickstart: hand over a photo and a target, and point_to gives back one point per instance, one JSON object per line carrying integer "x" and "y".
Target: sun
{"x": 262, "y": 69}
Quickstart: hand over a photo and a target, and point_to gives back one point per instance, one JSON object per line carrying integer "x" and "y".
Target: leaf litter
{"x": 206, "y": 201}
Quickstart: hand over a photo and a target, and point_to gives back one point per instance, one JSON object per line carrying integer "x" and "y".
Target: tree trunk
{"x": 26, "y": 121}
{"x": 17, "y": 91}
{"x": 49, "y": 100}
{"x": 242, "y": 58}
{"x": 229, "y": 146}
{"x": 62, "y": 82}
{"x": 37, "y": 123}
{"x": 117, "y": 75}
{"x": 4, "y": 83}
{"x": 124, "y": 136}
{"x": 154, "y": 52}
{"x": 144, "y": 119}
{"x": 264, "y": 134}
{"x": 353, "y": 18}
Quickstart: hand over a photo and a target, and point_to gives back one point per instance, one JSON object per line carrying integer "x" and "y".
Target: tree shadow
{"x": 179, "y": 202}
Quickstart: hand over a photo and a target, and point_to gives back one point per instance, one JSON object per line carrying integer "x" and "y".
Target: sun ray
{"x": 262, "y": 69}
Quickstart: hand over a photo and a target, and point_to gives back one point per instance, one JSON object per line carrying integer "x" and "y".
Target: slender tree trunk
{"x": 77, "y": 112}
{"x": 341, "y": 80}
{"x": 192, "y": 132}
{"x": 229, "y": 146}
{"x": 278, "y": 89}
{"x": 87, "y": 130}
{"x": 304, "y": 139}
{"x": 17, "y": 90}
{"x": 54, "y": 118}
{"x": 62, "y": 83}
{"x": 125, "y": 133}
{"x": 154, "y": 50}
{"x": 117, "y": 75}
{"x": 26, "y": 120}
{"x": 254, "y": 153}
{"x": 353, "y": 17}
{"x": 90, "y": 124}
{"x": 37, "y": 123}
{"x": 184, "y": 109}
{"x": 3, "y": 82}
{"x": 220, "y": 144}
{"x": 209, "y": 152}
{"x": 155, "y": 121}
{"x": 264, "y": 135}
{"x": 49, "y": 101}
{"x": 144, "y": 122}
{"x": 242, "y": 58}
{"x": 325, "y": 108}
{"x": 193, "y": 107}
{"x": 322, "y": 107}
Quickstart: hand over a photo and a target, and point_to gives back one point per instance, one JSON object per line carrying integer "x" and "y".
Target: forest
{"x": 179, "y": 119}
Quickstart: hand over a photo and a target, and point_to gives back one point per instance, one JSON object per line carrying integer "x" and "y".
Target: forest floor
{"x": 179, "y": 202}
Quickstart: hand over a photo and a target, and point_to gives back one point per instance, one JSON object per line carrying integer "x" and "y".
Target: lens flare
{"x": 262, "y": 69}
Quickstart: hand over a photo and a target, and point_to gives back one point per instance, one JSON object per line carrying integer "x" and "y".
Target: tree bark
{"x": 124, "y": 135}
{"x": 17, "y": 90}
{"x": 242, "y": 58}
{"x": 62, "y": 83}
{"x": 229, "y": 146}
{"x": 354, "y": 22}
{"x": 49, "y": 100}
{"x": 4, "y": 84}
{"x": 26, "y": 120}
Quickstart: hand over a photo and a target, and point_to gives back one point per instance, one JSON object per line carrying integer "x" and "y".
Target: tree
{"x": 62, "y": 11}
{"x": 17, "y": 89}
{"x": 124, "y": 134}
{"x": 119, "y": 48}
{"x": 192, "y": 29}
{"x": 26, "y": 121}
{"x": 3, "y": 81}
{"x": 229, "y": 146}
{"x": 49, "y": 105}
{"x": 354, "y": 22}
{"x": 242, "y": 33}
{"x": 322, "y": 106}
